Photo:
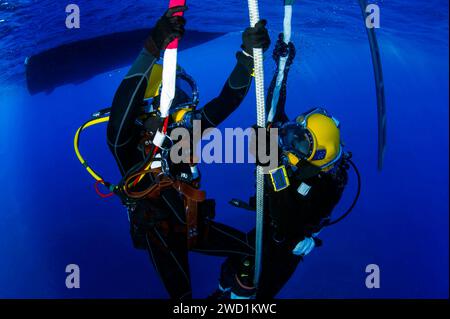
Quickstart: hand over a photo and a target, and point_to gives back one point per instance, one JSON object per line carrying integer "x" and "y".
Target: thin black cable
{"x": 355, "y": 200}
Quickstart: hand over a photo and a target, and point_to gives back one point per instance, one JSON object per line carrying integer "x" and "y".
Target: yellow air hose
{"x": 76, "y": 140}
{"x": 83, "y": 162}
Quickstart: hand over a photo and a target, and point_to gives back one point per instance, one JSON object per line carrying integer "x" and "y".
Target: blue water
{"x": 51, "y": 217}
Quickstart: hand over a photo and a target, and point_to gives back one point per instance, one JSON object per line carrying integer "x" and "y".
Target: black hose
{"x": 358, "y": 192}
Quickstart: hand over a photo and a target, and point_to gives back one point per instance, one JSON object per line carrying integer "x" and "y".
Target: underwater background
{"x": 50, "y": 215}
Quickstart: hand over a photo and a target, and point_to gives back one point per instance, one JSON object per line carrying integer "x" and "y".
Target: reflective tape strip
{"x": 159, "y": 139}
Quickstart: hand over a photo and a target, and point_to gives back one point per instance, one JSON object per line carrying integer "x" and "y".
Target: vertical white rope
{"x": 168, "y": 81}
{"x": 282, "y": 64}
{"x": 170, "y": 68}
{"x": 260, "y": 121}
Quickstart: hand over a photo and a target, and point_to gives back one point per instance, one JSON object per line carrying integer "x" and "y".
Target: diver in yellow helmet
{"x": 313, "y": 136}
{"x": 300, "y": 194}
{"x": 168, "y": 211}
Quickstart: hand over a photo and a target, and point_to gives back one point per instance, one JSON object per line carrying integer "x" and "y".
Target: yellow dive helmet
{"x": 314, "y": 136}
{"x": 154, "y": 82}
{"x": 186, "y": 94}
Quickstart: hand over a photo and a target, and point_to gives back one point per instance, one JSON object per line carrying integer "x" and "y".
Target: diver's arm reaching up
{"x": 127, "y": 104}
{"x": 276, "y": 96}
{"x": 238, "y": 83}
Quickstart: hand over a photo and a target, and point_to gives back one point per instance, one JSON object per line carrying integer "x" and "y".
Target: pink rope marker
{"x": 175, "y": 3}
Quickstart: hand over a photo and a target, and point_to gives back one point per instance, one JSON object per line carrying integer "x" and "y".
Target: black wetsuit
{"x": 167, "y": 246}
{"x": 289, "y": 218}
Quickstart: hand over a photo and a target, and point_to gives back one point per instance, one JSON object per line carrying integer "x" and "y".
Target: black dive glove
{"x": 284, "y": 50}
{"x": 167, "y": 29}
{"x": 256, "y": 38}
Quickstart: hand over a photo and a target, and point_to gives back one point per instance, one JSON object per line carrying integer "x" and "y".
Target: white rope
{"x": 260, "y": 121}
{"x": 282, "y": 65}
{"x": 168, "y": 81}
{"x": 169, "y": 69}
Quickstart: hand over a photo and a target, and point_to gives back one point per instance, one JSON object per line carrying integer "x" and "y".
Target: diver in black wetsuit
{"x": 162, "y": 221}
{"x": 299, "y": 195}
